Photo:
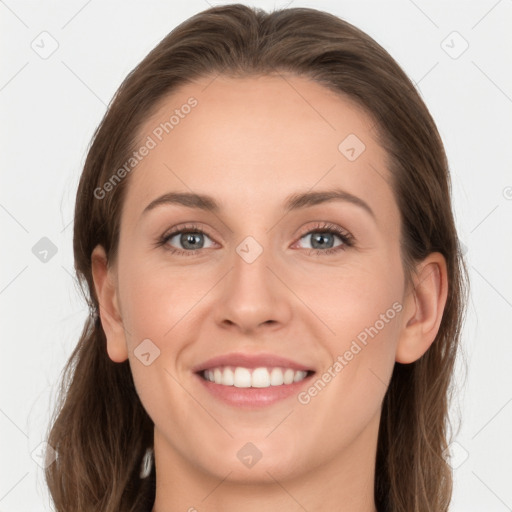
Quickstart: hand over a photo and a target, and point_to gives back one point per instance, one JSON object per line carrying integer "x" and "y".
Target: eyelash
{"x": 326, "y": 227}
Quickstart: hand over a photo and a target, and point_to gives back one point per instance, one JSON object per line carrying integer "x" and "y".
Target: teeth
{"x": 276, "y": 377}
{"x": 228, "y": 377}
{"x": 257, "y": 378}
{"x": 242, "y": 378}
{"x": 260, "y": 378}
{"x": 289, "y": 375}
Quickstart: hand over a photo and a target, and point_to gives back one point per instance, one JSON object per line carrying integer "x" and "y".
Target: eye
{"x": 322, "y": 239}
{"x": 190, "y": 237}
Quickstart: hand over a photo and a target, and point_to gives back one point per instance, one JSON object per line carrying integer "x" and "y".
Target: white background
{"x": 50, "y": 108}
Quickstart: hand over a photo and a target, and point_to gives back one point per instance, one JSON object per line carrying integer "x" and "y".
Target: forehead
{"x": 252, "y": 141}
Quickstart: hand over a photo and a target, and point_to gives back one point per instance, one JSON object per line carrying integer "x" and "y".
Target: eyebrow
{"x": 293, "y": 202}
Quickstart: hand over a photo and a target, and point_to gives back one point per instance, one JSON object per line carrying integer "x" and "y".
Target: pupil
{"x": 321, "y": 236}
{"x": 188, "y": 238}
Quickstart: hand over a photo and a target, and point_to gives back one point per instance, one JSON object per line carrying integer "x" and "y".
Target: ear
{"x": 423, "y": 309}
{"x": 106, "y": 291}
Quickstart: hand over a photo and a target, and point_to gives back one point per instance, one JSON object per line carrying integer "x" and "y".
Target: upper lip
{"x": 250, "y": 361}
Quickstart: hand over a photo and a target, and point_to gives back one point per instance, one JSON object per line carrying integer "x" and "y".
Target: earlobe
{"x": 111, "y": 321}
{"x": 424, "y": 307}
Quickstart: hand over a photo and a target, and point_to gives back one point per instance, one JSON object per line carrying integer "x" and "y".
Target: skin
{"x": 250, "y": 143}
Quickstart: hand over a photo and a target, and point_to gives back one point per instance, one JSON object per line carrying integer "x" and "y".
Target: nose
{"x": 254, "y": 295}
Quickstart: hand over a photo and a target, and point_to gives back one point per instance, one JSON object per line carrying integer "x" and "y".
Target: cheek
{"x": 155, "y": 298}
{"x": 347, "y": 396}
{"x": 159, "y": 308}
{"x": 365, "y": 313}
{"x": 356, "y": 302}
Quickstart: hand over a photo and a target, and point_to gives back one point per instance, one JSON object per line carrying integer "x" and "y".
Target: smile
{"x": 262, "y": 377}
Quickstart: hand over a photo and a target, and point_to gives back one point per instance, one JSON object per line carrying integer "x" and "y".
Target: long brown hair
{"x": 100, "y": 429}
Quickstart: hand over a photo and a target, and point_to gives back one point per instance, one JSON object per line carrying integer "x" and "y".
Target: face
{"x": 315, "y": 281}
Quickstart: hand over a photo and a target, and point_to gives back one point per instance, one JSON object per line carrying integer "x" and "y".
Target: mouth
{"x": 252, "y": 380}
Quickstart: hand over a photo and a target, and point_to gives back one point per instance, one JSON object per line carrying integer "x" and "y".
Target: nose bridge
{"x": 252, "y": 295}
{"x": 251, "y": 275}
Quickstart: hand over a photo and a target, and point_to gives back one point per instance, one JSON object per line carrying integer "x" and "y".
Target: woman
{"x": 226, "y": 365}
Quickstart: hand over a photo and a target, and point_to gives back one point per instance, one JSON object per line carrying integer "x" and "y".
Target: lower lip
{"x": 253, "y": 397}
